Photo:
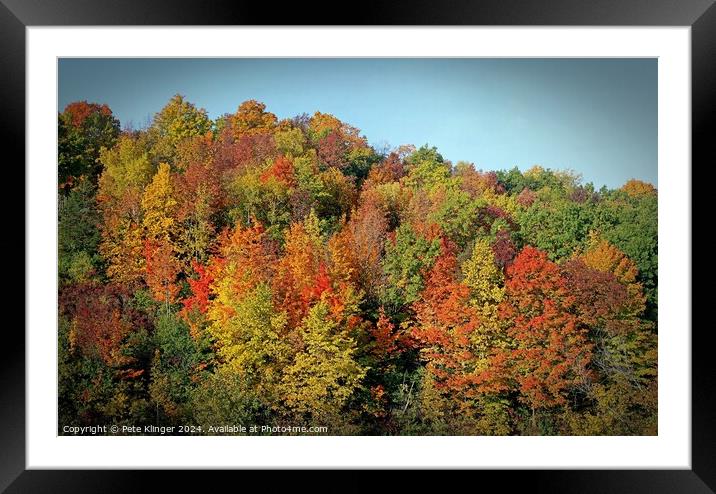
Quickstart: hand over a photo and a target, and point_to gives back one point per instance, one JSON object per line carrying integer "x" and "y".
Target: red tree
{"x": 79, "y": 111}
{"x": 197, "y": 187}
{"x": 445, "y": 321}
{"x": 282, "y": 170}
{"x": 162, "y": 269}
{"x": 503, "y": 248}
{"x": 101, "y": 321}
{"x": 332, "y": 149}
{"x": 599, "y": 297}
{"x": 551, "y": 352}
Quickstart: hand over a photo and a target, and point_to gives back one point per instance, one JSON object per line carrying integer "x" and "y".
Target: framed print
{"x": 432, "y": 239}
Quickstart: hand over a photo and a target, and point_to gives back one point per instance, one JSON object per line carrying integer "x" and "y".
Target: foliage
{"x": 426, "y": 168}
{"x": 631, "y": 224}
{"x": 551, "y": 352}
{"x": 83, "y": 130}
{"x": 251, "y": 118}
{"x": 250, "y": 342}
{"x": 559, "y": 228}
{"x": 78, "y": 235}
{"x": 177, "y": 122}
{"x": 407, "y": 257}
{"x": 255, "y": 271}
{"x": 176, "y": 365}
{"x": 322, "y": 378}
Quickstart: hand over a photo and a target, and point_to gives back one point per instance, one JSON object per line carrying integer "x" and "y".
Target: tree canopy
{"x": 251, "y": 270}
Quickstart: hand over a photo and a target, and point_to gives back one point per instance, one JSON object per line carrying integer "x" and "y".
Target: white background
{"x": 670, "y": 449}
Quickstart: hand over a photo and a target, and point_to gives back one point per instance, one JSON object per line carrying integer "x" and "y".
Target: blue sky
{"x": 597, "y": 117}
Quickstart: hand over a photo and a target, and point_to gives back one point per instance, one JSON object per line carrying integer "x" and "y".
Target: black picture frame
{"x": 16, "y": 15}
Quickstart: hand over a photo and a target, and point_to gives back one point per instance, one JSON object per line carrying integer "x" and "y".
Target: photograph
{"x": 357, "y": 246}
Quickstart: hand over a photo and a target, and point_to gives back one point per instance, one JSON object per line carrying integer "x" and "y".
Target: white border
{"x": 670, "y": 449}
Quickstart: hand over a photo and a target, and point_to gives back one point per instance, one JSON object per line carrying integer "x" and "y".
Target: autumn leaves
{"x": 251, "y": 269}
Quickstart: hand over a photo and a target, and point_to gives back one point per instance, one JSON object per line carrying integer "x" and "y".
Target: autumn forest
{"x": 251, "y": 270}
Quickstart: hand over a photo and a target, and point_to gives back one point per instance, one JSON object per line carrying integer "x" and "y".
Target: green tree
{"x": 455, "y": 212}
{"x": 426, "y": 168}
{"x": 512, "y": 180}
{"x": 223, "y": 398}
{"x": 175, "y": 364}
{"x": 290, "y": 142}
{"x": 260, "y": 198}
{"x": 83, "y": 129}
{"x": 631, "y": 223}
{"x": 177, "y": 121}
{"x": 406, "y": 260}
{"x": 78, "y": 234}
{"x": 558, "y": 227}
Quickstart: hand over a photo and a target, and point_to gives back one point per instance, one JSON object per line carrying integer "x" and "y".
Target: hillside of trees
{"x": 256, "y": 271}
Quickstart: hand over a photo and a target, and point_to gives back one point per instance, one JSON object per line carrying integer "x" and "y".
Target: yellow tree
{"x": 290, "y": 142}
{"x": 607, "y": 258}
{"x": 324, "y": 376}
{"x": 177, "y": 122}
{"x": 234, "y": 292}
{"x": 127, "y": 170}
{"x": 123, "y": 248}
{"x": 159, "y": 224}
{"x": 486, "y": 283}
{"x": 252, "y": 118}
{"x": 489, "y": 340}
{"x": 482, "y": 276}
{"x": 637, "y": 188}
{"x": 250, "y": 341}
{"x": 159, "y": 206}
